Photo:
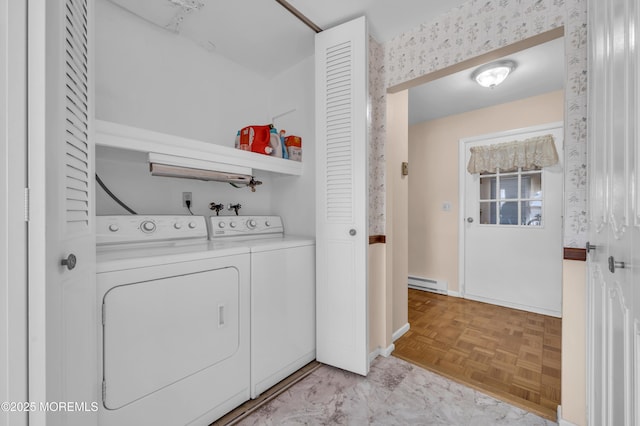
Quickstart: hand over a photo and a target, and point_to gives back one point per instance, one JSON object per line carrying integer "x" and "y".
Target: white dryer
{"x": 283, "y": 316}
{"x": 174, "y": 332}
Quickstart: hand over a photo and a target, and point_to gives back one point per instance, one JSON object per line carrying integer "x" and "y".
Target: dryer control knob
{"x": 114, "y": 228}
{"x": 192, "y": 225}
{"x": 220, "y": 224}
{"x": 232, "y": 224}
{"x": 148, "y": 226}
{"x": 177, "y": 225}
{"x": 251, "y": 224}
{"x": 267, "y": 223}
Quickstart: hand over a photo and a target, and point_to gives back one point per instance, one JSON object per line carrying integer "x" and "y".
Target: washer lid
{"x": 268, "y": 244}
{"x": 132, "y": 256}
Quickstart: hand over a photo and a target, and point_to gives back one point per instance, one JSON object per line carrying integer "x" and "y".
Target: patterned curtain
{"x": 532, "y": 153}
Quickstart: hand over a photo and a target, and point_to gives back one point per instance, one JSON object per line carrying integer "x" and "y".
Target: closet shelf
{"x": 116, "y": 135}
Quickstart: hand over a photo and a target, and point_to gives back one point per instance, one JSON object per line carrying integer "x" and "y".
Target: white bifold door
{"x": 62, "y": 281}
{"x": 613, "y": 309}
{"x": 341, "y": 200}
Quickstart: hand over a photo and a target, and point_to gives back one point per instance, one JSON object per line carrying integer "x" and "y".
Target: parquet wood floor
{"x": 510, "y": 354}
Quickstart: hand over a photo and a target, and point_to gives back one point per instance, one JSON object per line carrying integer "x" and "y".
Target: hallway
{"x": 510, "y": 354}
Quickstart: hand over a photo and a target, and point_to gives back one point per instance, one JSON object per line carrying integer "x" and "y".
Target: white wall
{"x": 397, "y": 205}
{"x": 574, "y": 342}
{"x": 293, "y": 198}
{"x": 126, "y": 174}
{"x": 151, "y": 78}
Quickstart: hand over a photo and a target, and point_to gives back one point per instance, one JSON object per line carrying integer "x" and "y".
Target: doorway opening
{"x": 434, "y": 235}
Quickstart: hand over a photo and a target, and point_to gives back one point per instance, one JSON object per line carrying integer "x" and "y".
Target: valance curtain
{"x": 530, "y": 153}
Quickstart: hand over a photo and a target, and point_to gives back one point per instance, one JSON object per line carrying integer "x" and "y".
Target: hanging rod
{"x": 295, "y": 12}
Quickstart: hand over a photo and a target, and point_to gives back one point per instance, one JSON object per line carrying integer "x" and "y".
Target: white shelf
{"x": 135, "y": 139}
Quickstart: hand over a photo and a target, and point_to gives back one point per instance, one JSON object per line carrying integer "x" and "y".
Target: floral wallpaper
{"x": 480, "y": 26}
{"x": 377, "y": 122}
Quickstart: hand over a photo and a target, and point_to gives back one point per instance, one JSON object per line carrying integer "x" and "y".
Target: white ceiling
{"x": 540, "y": 70}
{"x": 262, "y": 36}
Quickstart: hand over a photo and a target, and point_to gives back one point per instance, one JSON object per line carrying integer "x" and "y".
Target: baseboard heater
{"x": 428, "y": 284}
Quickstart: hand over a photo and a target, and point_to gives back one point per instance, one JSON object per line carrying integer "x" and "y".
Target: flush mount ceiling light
{"x": 494, "y": 73}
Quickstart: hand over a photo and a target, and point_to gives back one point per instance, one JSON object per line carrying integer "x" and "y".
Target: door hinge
{"x": 104, "y": 390}
{"x": 27, "y": 204}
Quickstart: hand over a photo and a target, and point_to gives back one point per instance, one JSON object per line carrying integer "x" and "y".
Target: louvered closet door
{"x": 62, "y": 305}
{"x": 342, "y": 240}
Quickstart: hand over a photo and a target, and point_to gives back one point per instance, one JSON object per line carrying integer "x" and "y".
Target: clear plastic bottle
{"x": 275, "y": 143}
{"x": 285, "y": 154}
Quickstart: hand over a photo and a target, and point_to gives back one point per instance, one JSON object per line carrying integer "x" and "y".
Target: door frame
{"x": 13, "y": 253}
{"x": 462, "y": 170}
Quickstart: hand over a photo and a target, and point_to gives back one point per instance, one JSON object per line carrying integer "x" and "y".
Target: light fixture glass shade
{"x": 492, "y": 74}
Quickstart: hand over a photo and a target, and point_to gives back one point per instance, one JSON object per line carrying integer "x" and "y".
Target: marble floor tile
{"x": 394, "y": 393}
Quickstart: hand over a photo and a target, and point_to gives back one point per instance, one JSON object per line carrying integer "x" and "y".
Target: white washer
{"x": 283, "y": 318}
{"x": 174, "y": 334}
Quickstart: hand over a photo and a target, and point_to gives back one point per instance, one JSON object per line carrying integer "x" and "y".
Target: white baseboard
{"x": 400, "y": 332}
{"x": 385, "y": 352}
{"x": 453, "y": 293}
{"x": 534, "y": 309}
{"x": 561, "y": 421}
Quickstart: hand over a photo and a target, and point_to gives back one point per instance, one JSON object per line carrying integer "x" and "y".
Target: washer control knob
{"x": 177, "y": 225}
{"x": 220, "y": 224}
{"x": 148, "y": 226}
{"x": 251, "y": 224}
{"x": 267, "y": 223}
{"x": 114, "y": 228}
{"x": 232, "y": 224}
{"x": 192, "y": 225}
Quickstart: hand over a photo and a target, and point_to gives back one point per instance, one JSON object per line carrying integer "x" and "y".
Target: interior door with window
{"x": 62, "y": 292}
{"x": 512, "y": 228}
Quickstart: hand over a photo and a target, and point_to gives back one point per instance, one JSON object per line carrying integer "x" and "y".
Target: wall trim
{"x": 572, "y": 253}
{"x": 561, "y": 421}
{"x": 400, "y": 332}
{"x": 534, "y": 309}
{"x": 385, "y": 352}
{"x": 453, "y": 293}
{"x": 377, "y": 239}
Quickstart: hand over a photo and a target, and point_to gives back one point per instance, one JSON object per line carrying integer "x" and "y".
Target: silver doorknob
{"x": 613, "y": 265}
{"x": 69, "y": 262}
{"x": 470, "y": 219}
{"x": 352, "y": 232}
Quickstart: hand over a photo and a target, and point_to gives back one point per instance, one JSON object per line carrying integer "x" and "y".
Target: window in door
{"x": 512, "y": 198}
